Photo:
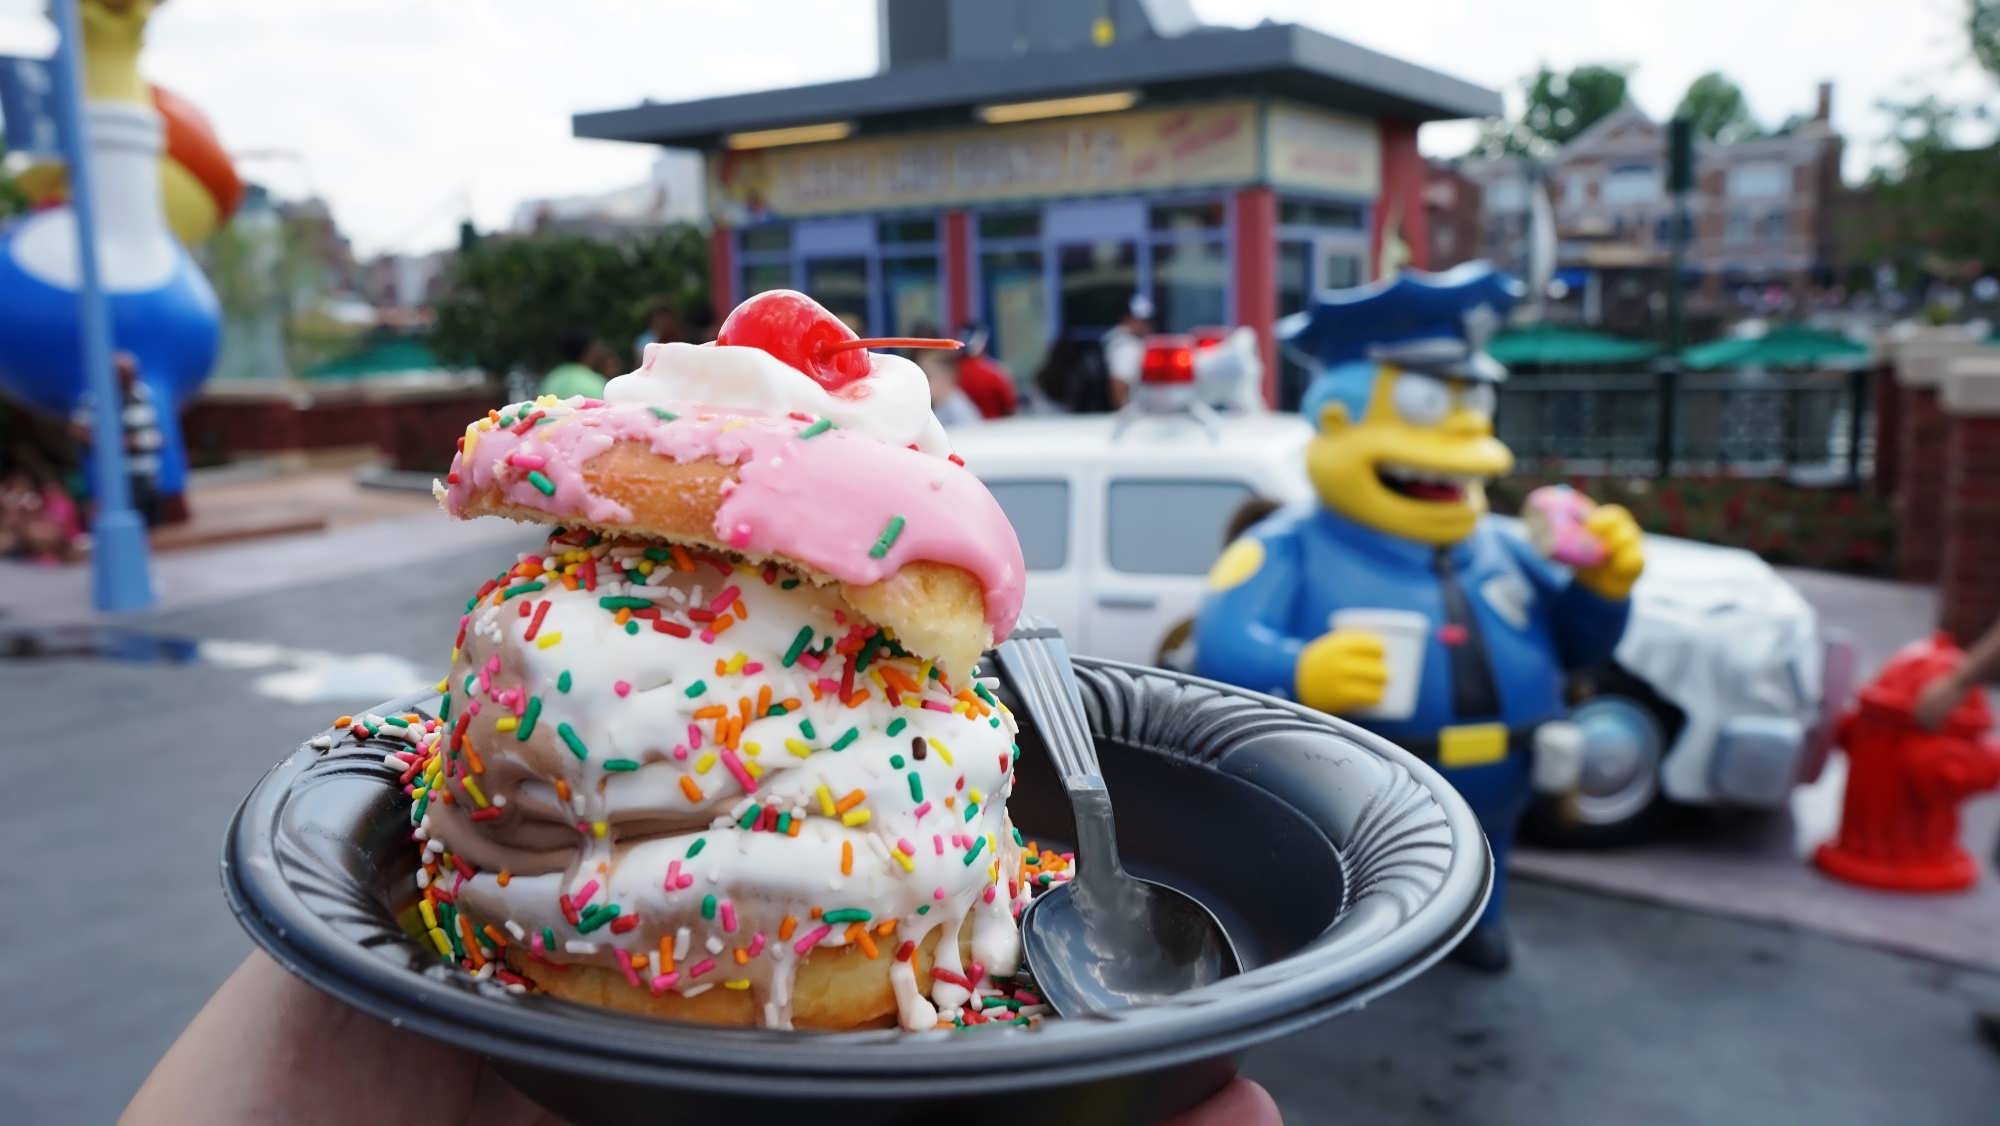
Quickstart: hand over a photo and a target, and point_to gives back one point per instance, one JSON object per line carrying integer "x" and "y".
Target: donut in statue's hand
{"x": 1554, "y": 516}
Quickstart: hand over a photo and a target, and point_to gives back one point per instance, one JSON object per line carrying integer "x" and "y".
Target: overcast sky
{"x": 407, "y": 115}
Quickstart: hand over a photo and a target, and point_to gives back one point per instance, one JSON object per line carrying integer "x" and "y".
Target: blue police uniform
{"x": 1501, "y": 615}
{"x": 1504, "y": 625}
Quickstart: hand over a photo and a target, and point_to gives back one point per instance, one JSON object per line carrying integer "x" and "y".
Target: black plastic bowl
{"x": 1340, "y": 864}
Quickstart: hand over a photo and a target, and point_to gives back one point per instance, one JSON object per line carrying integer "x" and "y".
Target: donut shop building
{"x": 1030, "y": 165}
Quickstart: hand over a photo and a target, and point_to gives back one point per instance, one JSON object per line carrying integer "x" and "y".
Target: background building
{"x": 1763, "y": 212}
{"x": 671, "y": 194}
{"x": 404, "y": 281}
{"x": 1031, "y": 164}
{"x": 1454, "y": 209}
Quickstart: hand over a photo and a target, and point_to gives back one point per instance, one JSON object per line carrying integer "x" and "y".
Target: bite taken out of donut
{"x": 913, "y": 542}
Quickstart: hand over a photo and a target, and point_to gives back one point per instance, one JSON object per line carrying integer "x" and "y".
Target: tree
{"x": 12, "y": 200}
{"x": 1982, "y": 27}
{"x": 269, "y": 279}
{"x": 1557, "y": 108}
{"x": 1718, "y": 109}
{"x": 1930, "y": 212}
{"x": 508, "y": 300}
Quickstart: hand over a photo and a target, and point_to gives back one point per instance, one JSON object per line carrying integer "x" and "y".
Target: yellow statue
{"x": 198, "y": 185}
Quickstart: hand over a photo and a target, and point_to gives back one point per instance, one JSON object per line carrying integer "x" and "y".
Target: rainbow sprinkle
{"x": 838, "y": 676}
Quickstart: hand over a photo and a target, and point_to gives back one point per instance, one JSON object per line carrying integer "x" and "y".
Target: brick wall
{"x": 1969, "y": 555}
{"x": 416, "y": 429}
{"x": 1969, "y": 568}
{"x": 1919, "y": 483}
{"x": 1887, "y": 400}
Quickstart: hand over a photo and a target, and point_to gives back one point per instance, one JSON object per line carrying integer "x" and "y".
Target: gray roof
{"x": 1277, "y": 59}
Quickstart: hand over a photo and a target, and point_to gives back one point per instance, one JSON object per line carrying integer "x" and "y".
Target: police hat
{"x": 1433, "y": 323}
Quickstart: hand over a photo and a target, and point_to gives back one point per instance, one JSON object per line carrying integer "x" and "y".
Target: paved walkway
{"x": 35, "y": 595}
{"x": 1751, "y": 865}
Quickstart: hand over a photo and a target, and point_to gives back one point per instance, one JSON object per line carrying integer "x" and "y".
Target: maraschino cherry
{"x": 802, "y": 333}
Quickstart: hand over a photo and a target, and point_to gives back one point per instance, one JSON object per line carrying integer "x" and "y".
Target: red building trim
{"x": 722, "y": 271}
{"x": 1401, "y": 201}
{"x": 1256, "y": 239}
{"x": 957, "y": 270}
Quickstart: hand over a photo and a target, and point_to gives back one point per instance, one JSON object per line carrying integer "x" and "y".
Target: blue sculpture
{"x": 1392, "y": 601}
{"x": 162, "y": 311}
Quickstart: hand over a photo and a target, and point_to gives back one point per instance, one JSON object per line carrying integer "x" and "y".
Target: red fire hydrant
{"x": 1899, "y": 824}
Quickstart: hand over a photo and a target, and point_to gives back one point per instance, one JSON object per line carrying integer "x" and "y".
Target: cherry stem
{"x": 890, "y": 342}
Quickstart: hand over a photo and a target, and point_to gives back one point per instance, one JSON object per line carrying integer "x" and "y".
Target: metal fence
{"x": 1809, "y": 426}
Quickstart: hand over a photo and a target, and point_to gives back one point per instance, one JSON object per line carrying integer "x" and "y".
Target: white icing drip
{"x": 649, "y": 824}
{"x": 891, "y": 403}
{"x": 996, "y": 941}
{"x": 912, "y": 1009}
{"x": 949, "y": 997}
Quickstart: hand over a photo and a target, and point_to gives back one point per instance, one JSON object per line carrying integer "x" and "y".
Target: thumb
{"x": 1241, "y": 1103}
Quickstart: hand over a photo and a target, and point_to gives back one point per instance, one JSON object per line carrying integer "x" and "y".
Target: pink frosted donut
{"x": 915, "y": 541}
{"x": 1554, "y": 516}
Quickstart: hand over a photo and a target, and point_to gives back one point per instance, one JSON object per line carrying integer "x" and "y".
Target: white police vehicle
{"x": 1723, "y": 691}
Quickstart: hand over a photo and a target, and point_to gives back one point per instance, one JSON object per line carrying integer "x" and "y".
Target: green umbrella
{"x": 386, "y": 356}
{"x": 1787, "y": 346}
{"x": 1544, "y": 344}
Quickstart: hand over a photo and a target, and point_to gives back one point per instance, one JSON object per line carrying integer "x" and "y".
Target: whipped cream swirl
{"x": 892, "y": 403}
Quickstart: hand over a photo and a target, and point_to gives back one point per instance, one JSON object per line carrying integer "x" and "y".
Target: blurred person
{"x": 984, "y": 380}
{"x": 39, "y": 516}
{"x": 39, "y": 520}
{"x": 700, "y": 321}
{"x": 603, "y": 359}
{"x": 949, "y": 402}
{"x": 1125, "y": 348}
{"x": 1934, "y": 703}
{"x": 268, "y": 1048}
{"x": 140, "y": 421}
{"x": 1072, "y": 380}
{"x": 664, "y": 325}
{"x": 573, "y": 376}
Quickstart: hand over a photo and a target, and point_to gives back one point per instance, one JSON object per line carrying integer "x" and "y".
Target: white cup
{"x": 1558, "y": 757}
{"x": 1404, "y": 634}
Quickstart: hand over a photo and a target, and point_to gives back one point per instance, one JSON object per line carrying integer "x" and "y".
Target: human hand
{"x": 1624, "y": 553}
{"x": 1241, "y": 1103}
{"x": 270, "y": 1049}
{"x": 1936, "y": 700}
{"x": 1342, "y": 671}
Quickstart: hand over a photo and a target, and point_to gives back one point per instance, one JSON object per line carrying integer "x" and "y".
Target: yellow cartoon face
{"x": 113, "y": 32}
{"x": 1416, "y": 463}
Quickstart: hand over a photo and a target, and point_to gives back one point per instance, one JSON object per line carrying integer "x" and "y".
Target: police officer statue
{"x": 1392, "y": 601}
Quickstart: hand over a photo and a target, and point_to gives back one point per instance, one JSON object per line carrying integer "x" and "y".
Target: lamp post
{"x": 1680, "y": 178}
{"x": 119, "y": 574}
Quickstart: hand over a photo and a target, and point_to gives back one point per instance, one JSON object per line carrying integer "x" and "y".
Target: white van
{"x": 1120, "y": 516}
{"x": 1723, "y": 691}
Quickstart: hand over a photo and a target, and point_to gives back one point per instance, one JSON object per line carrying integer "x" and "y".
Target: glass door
{"x": 838, "y": 267}
{"x": 1016, "y": 308}
{"x": 841, "y": 284}
{"x": 1343, "y": 262}
{"x": 1098, "y": 263}
{"x": 1096, "y": 280}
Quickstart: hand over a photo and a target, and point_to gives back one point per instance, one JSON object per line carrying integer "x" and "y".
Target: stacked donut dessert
{"x": 717, "y": 752}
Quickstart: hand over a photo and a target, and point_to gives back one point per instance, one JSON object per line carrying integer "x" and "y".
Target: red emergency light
{"x": 1169, "y": 360}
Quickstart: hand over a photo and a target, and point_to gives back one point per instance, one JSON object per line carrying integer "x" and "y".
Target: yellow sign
{"x": 1322, "y": 151}
{"x": 1173, "y": 147}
